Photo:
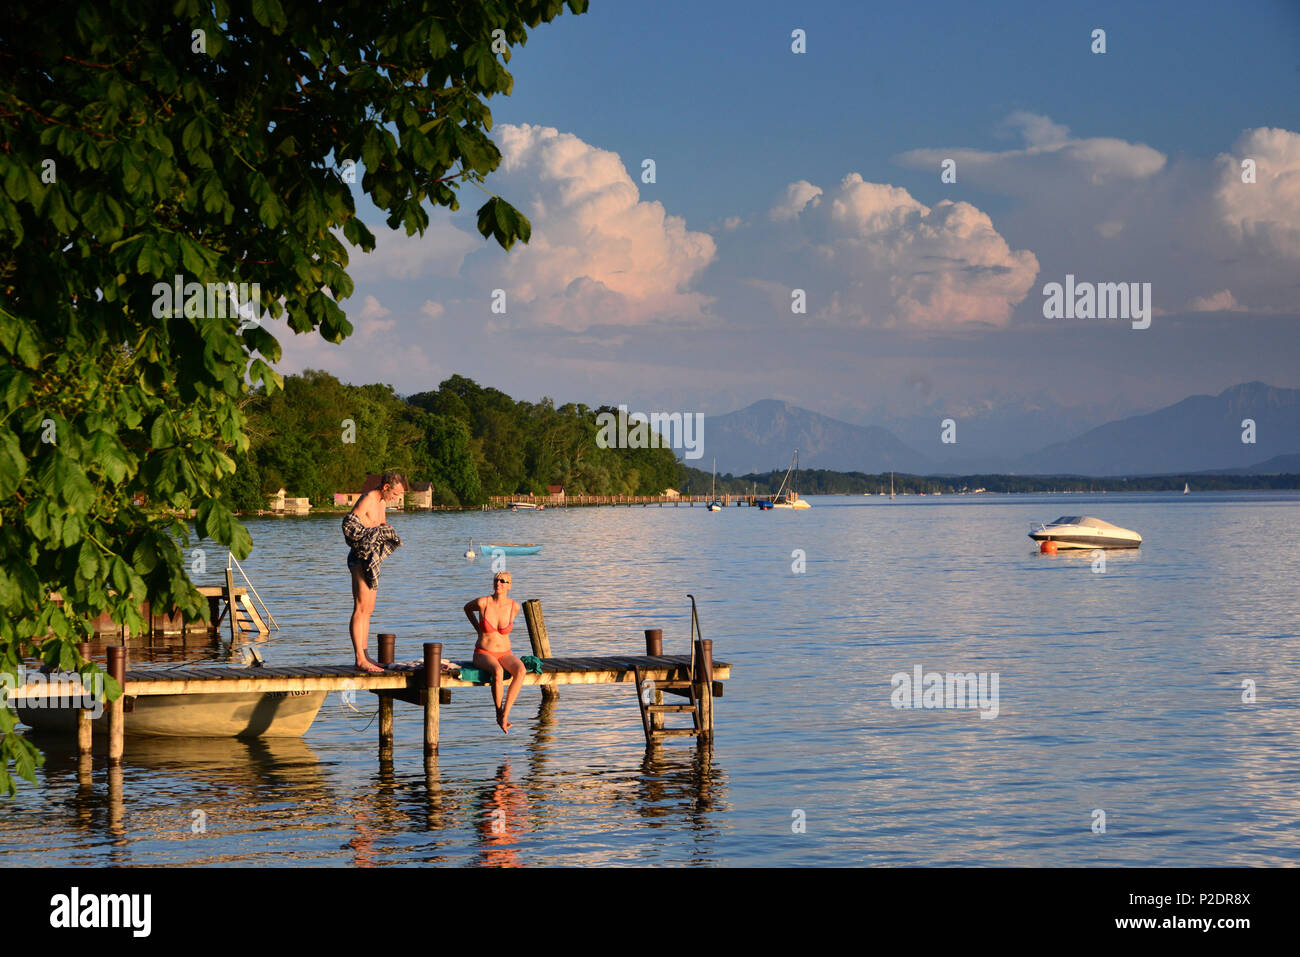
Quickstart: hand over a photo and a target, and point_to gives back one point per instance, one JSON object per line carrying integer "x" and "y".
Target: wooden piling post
{"x": 704, "y": 690}
{"x": 83, "y": 715}
{"x": 654, "y": 645}
{"x": 540, "y": 641}
{"x": 116, "y": 804}
{"x": 117, "y": 709}
{"x": 432, "y": 683}
{"x": 387, "y": 655}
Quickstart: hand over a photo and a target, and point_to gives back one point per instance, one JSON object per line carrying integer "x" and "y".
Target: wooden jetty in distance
{"x": 226, "y": 603}
{"x": 584, "y": 501}
{"x": 695, "y": 676}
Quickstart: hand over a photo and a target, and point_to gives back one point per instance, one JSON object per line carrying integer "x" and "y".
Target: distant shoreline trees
{"x": 317, "y": 436}
{"x": 826, "y": 482}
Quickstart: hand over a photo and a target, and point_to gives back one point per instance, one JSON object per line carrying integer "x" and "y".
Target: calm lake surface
{"x": 1118, "y": 692}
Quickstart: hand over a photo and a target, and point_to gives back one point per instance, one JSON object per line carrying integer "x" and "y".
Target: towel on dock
{"x": 469, "y": 673}
{"x": 370, "y": 546}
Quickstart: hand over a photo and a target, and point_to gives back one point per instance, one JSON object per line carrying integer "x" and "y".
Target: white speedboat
{"x": 1083, "y": 531}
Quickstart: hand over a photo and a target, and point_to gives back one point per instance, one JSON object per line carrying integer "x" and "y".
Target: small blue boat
{"x": 507, "y": 549}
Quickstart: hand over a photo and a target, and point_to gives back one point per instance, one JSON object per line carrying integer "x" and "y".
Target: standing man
{"x": 372, "y": 540}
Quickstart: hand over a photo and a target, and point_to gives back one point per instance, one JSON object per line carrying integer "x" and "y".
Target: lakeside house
{"x": 672, "y": 493}
{"x": 556, "y": 493}
{"x": 289, "y": 505}
{"x": 420, "y": 495}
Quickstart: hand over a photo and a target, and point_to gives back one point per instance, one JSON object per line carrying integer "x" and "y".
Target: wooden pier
{"x": 696, "y": 676}
{"x": 226, "y": 603}
{"x": 586, "y": 501}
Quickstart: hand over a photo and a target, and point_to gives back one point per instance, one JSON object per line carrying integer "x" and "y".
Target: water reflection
{"x": 175, "y": 788}
{"x": 499, "y": 814}
{"x": 1119, "y": 690}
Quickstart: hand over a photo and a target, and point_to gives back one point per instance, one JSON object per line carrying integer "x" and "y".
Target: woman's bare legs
{"x": 363, "y": 604}
{"x": 488, "y": 663}
{"x": 512, "y": 664}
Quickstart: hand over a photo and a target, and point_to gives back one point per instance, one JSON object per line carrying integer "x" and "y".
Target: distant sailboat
{"x": 714, "y": 504}
{"x": 891, "y": 486}
{"x": 790, "y": 499}
{"x": 1186, "y": 488}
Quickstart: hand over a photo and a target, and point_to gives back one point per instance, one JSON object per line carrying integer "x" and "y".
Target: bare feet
{"x": 504, "y": 722}
{"x": 369, "y": 667}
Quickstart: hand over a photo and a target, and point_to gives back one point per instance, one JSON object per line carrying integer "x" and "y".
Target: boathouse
{"x": 295, "y": 506}
{"x": 420, "y": 495}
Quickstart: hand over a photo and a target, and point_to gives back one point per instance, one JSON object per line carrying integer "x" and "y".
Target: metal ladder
{"x": 649, "y": 696}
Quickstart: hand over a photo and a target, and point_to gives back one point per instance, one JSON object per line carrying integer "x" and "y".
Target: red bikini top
{"x": 487, "y": 626}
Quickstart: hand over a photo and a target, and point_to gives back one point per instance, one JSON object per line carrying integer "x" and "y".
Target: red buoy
{"x": 1048, "y": 547}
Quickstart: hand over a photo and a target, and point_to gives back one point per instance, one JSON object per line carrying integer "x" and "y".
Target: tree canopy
{"x": 470, "y": 441}
{"x": 142, "y": 146}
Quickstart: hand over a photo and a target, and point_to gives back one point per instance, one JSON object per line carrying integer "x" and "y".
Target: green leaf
{"x": 13, "y": 464}
{"x": 269, "y": 14}
{"x": 15, "y": 387}
{"x": 501, "y": 221}
{"x": 357, "y": 234}
{"x": 88, "y": 561}
{"x": 487, "y": 217}
{"x": 438, "y": 45}
{"x": 25, "y": 348}
{"x": 161, "y": 434}
{"x": 196, "y": 259}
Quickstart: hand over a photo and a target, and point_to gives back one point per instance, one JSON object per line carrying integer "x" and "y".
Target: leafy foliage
{"x": 209, "y": 140}
{"x": 469, "y": 441}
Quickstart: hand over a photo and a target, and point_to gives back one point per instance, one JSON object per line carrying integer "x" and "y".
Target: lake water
{"x": 1119, "y": 692}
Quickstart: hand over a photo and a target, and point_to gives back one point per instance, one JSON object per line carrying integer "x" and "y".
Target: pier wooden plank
{"x": 216, "y": 679}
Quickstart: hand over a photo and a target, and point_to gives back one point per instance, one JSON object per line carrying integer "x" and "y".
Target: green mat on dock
{"x": 469, "y": 673}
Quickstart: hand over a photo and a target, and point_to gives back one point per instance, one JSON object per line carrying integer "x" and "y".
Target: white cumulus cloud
{"x": 888, "y": 258}
{"x": 1221, "y": 301}
{"x": 439, "y": 252}
{"x": 372, "y": 308}
{"x": 599, "y": 254}
{"x": 797, "y": 195}
{"x": 1264, "y": 214}
{"x": 1050, "y": 160}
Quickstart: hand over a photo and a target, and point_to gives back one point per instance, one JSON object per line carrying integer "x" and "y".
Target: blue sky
{"x": 713, "y": 89}
{"x": 819, "y": 171}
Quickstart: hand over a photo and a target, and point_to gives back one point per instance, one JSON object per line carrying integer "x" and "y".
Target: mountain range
{"x": 1200, "y": 433}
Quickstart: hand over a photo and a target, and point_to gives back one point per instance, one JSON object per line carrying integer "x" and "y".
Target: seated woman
{"x": 496, "y": 617}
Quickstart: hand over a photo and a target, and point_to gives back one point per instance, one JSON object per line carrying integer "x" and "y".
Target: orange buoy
{"x": 1048, "y": 547}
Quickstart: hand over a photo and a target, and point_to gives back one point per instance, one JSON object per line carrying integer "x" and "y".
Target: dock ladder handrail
{"x": 649, "y": 695}
{"x": 230, "y": 558}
